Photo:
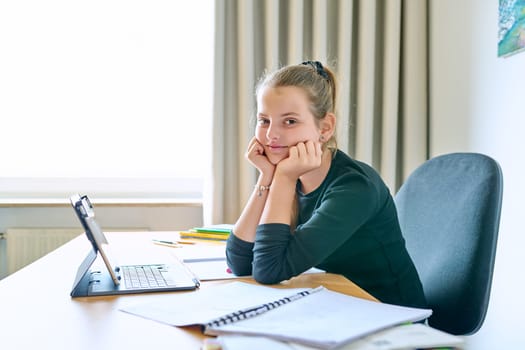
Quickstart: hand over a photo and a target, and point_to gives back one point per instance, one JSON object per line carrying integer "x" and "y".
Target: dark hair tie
{"x": 318, "y": 66}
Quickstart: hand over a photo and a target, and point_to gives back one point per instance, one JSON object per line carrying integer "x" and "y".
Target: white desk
{"x": 36, "y": 311}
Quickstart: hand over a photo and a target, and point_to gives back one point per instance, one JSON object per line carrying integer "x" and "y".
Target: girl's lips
{"x": 276, "y": 148}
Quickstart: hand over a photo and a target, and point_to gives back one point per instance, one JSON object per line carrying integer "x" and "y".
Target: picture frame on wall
{"x": 511, "y": 35}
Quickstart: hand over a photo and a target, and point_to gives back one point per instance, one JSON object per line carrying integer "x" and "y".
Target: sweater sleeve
{"x": 239, "y": 255}
{"x": 280, "y": 254}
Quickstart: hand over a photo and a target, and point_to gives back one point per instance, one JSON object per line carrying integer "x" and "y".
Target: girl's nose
{"x": 271, "y": 132}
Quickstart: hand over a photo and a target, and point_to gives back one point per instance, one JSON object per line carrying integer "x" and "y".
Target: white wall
{"x": 477, "y": 105}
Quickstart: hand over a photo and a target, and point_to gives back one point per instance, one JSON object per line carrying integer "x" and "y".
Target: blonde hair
{"x": 316, "y": 80}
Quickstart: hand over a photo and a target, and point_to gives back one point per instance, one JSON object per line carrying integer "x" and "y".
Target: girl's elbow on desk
{"x": 259, "y": 275}
{"x": 242, "y": 267}
{"x": 263, "y": 277}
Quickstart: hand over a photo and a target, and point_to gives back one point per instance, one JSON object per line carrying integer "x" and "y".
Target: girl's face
{"x": 283, "y": 120}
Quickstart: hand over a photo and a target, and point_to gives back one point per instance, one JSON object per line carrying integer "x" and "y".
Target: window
{"x": 108, "y": 96}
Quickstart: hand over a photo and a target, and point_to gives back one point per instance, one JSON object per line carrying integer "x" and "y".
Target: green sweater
{"x": 347, "y": 226}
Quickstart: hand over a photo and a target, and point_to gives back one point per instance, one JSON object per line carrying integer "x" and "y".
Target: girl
{"x": 313, "y": 205}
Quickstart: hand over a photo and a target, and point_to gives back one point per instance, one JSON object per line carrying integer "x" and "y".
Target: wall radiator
{"x": 25, "y": 245}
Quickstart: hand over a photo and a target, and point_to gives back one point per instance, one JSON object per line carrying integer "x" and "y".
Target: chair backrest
{"x": 449, "y": 211}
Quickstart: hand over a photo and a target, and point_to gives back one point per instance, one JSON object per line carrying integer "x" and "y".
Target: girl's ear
{"x": 327, "y": 127}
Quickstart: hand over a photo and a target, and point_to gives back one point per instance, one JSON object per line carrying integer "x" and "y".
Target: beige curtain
{"x": 378, "y": 50}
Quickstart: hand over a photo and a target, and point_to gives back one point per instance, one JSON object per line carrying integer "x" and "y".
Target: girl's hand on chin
{"x": 255, "y": 155}
{"x": 302, "y": 158}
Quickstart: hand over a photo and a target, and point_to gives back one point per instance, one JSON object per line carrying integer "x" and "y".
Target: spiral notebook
{"x": 315, "y": 317}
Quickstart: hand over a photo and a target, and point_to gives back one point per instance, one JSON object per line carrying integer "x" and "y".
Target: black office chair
{"x": 449, "y": 210}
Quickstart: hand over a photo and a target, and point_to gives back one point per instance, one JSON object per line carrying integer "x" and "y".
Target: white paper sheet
{"x": 324, "y": 319}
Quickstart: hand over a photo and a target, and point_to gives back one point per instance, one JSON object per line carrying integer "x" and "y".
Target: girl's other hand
{"x": 302, "y": 158}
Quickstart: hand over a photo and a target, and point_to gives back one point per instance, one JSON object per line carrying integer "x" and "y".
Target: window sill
{"x": 101, "y": 202}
